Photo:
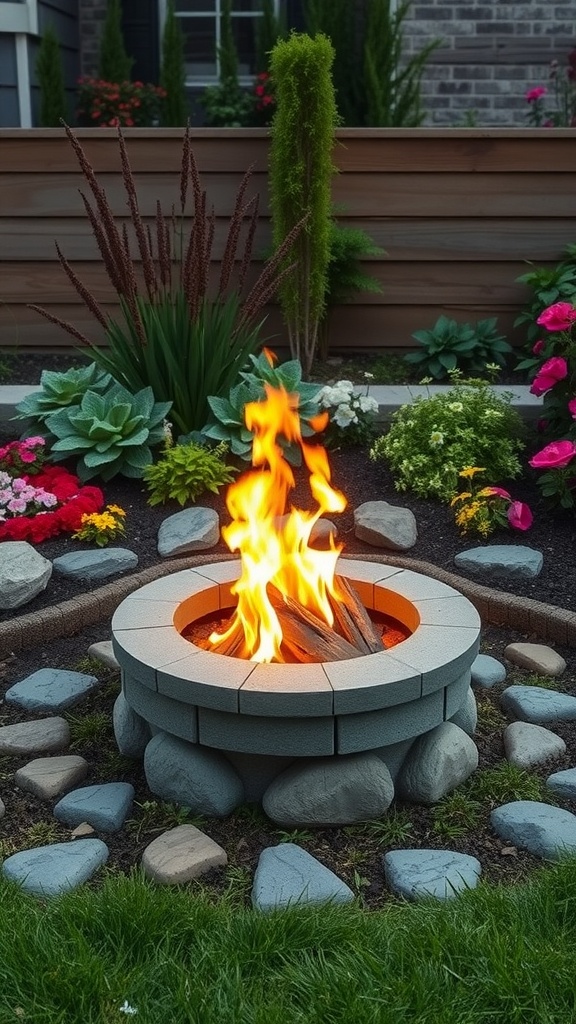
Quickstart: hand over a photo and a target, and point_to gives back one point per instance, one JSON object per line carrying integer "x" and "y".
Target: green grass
{"x": 502, "y": 955}
{"x": 505, "y": 782}
{"x": 456, "y": 815}
{"x": 91, "y": 728}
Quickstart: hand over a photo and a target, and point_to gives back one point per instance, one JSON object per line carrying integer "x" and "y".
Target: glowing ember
{"x": 274, "y": 547}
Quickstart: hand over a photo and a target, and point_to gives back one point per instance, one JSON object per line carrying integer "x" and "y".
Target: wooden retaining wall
{"x": 458, "y": 211}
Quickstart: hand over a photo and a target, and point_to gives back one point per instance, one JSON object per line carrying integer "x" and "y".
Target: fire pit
{"x": 299, "y": 670}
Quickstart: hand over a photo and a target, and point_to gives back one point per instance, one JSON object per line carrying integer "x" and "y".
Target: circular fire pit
{"x": 298, "y": 710}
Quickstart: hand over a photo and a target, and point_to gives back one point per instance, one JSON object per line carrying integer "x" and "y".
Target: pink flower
{"x": 550, "y": 373}
{"x": 572, "y": 408}
{"x": 499, "y": 491}
{"x": 17, "y": 505}
{"x": 535, "y": 94}
{"x": 519, "y": 515}
{"x": 33, "y": 442}
{"x": 558, "y": 317}
{"x": 554, "y": 456}
{"x": 537, "y": 348}
{"x": 27, "y": 456}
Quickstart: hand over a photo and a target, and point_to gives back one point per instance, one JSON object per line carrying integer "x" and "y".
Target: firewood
{"x": 353, "y": 619}
{"x": 304, "y": 630}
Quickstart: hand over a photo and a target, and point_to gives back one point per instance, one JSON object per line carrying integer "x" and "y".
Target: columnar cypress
{"x": 50, "y": 74}
{"x": 114, "y": 63}
{"x": 301, "y": 169}
{"x": 172, "y": 72}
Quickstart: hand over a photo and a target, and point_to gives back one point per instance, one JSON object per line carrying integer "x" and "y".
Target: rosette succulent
{"x": 58, "y": 391}
{"x": 110, "y": 433}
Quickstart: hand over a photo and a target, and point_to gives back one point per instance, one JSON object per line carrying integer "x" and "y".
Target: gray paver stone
{"x": 104, "y": 806}
{"x": 182, "y": 854}
{"x": 195, "y": 777}
{"x": 47, "y": 777}
{"x": 385, "y": 526}
{"x": 97, "y": 564}
{"x": 538, "y": 705}
{"x": 288, "y": 875}
{"x": 536, "y": 657}
{"x": 41, "y": 736}
{"x": 24, "y": 573}
{"x": 501, "y": 560}
{"x": 563, "y": 783}
{"x": 487, "y": 671}
{"x": 545, "y": 831}
{"x": 438, "y": 762}
{"x": 51, "y": 689}
{"x": 104, "y": 652}
{"x": 193, "y": 529}
{"x": 55, "y": 869}
{"x": 330, "y": 791}
{"x": 439, "y": 873}
{"x": 528, "y": 745}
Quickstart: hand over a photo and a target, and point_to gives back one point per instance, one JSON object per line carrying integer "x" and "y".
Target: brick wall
{"x": 491, "y": 53}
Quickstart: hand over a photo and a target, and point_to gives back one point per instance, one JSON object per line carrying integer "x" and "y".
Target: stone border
{"x": 497, "y": 608}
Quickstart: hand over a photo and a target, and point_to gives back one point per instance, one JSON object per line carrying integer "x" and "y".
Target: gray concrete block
{"x": 166, "y": 714}
{"x": 287, "y": 691}
{"x": 377, "y": 681}
{"x": 291, "y": 737}
{"x": 373, "y": 729}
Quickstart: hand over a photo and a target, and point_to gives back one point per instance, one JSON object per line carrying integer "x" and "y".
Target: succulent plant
{"x": 111, "y": 433}
{"x": 58, "y": 391}
{"x": 227, "y": 422}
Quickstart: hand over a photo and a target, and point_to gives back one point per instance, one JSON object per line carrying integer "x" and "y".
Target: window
{"x": 200, "y": 21}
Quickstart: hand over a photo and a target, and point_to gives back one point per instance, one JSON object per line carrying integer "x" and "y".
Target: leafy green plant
{"x": 227, "y": 105}
{"x": 302, "y": 139}
{"x": 548, "y": 285}
{"x": 50, "y": 73}
{"x": 185, "y": 471}
{"x": 467, "y": 347}
{"x": 58, "y": 391}
{"x": 174, "y": 111}
{"x": 227, "y": 422}
{"x": 431, "y": 440}
{"x": 352, "y": 415}
{"x": 111, "y": 433}
{"x": 182, "y": 336}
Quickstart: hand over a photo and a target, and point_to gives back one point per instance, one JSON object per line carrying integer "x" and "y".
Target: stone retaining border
{"x": 497, "y": 608}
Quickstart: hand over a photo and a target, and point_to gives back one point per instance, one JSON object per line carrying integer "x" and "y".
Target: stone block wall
{"x": 490, "y": 54}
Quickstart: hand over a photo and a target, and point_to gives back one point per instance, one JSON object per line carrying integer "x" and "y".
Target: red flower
{"x": 556, "y": 455}
{"x": 519, "y": 515}
{"x": 558, "y": 317}
{"x": 535, "y": 94}
{"x": 549, "y": 374}
{"x": 537, "y": 348}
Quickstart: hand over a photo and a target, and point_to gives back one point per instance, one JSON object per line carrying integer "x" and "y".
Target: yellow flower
{"x": 116, "y": 510}
{"x": 469, "y": 471}
{"x": 461, "y": 497}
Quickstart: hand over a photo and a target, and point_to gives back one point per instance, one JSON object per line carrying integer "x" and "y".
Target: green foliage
{"x": 504, "y": 783}
{"x": 431, "y": 440}
{"x": 227, "y": 421}
{"x": 114, "y": 64}
{"x": 50, "y": 74}
{"x": 376, "y": 84}
{"x": 227, "y": 105}
{"x": 269, "y": 29}
{"x": 172, "y": 72}
{"x": 184, "y": 360}
{"x": 456, "y": 815}
{"x": 301, "y": 169}
{"x": 57, "y": 391}
{"x": 395, "y": 829}
{"x": 392, "y": 85}
{"x": 450, "y": 346}
{"x": 185, "y": 471}
{"x": 548, "y": 285}
{"x": 111, "y": 433}
{"x": 158, "y": 816}
{"x": 89, "y": 728}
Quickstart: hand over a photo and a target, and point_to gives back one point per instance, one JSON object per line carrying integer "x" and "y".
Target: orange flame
{"x": 274, "y": 547}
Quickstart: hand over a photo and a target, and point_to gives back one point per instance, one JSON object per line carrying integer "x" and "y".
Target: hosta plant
{"x": 227, "y": 421}
{"x": 58, "y": 391}
{"x": 111, "y": 433}
{"x": 433, "y": 439}
{"x": 185, "y": 471}
{"x": 468, "y": 347}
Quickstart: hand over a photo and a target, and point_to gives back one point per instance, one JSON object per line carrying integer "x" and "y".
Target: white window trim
{"x": 201, "y": 81}
{"x": 19, "y": 18}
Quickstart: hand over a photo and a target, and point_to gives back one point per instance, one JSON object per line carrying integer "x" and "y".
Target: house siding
{"x": 9, "y": 112}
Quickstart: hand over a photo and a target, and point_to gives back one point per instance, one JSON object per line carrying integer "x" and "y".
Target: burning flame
{"x": 274, "y": 547}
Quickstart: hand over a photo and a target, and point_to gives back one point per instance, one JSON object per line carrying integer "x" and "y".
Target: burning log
{"x": 353, "y": 620}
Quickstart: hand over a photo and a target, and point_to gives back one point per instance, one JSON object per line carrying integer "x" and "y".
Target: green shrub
{"x": 57, "y": 391}
{"x": 548, "y": 285}
{"x": 185, "y": 471}
{"x": 433, "y": 439}
{"x": 172, "y": 72}
{"x": 50, "y": 73}
{"x": 227, "y": 421}
{"x": 227, "y": 105}
{"x": 111, "y": 433}
{"x": 114, "y": 64}
{"x": 467, "y": 347}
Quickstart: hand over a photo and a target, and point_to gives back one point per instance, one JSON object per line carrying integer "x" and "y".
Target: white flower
{"x": 333, "y": 396}
{"x": 366, "y": 404}
{"x": 127, "y": 1009}
{"x": 346, "y": 385}
{"x": 455, "y": 406}
{"x": 436, "y": 439}
{"x": 344, "y": 416}
{"x": 492, "y": 414}
{"x": 369, "y": 376}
